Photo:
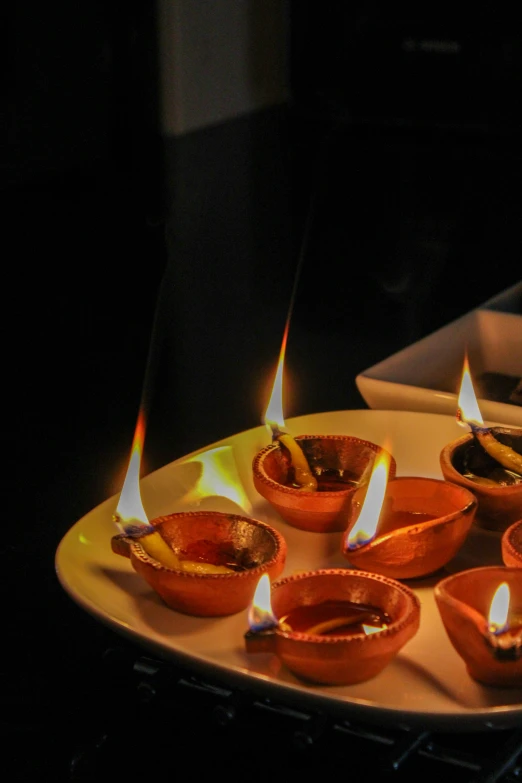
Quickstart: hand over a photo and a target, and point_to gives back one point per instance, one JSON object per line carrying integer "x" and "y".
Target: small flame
{"x": 499, "y": 609}
{"x": 219, "y": 477}
{"x": 130, "y": 509}
{"x": 274, "y": 418}
{"x": 467, "y": 406}
{"x": 260, "y": 615}
{"x": 366, "y": 526}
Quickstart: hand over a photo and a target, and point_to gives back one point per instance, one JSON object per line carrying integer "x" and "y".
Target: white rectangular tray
{"x": 426, "y": 375}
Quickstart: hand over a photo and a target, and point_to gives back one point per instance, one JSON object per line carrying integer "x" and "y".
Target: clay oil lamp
{"x": 487, "y": 461}
{"x": 332, "y": 626}
{"x": 204, "y": 563}
{"x": 511, "y": 545}
{"x": 214, "y": 559}
{"x": 310, "y": 479}
{"x": 406, "y": 527}
{"x": 481, "y": 610}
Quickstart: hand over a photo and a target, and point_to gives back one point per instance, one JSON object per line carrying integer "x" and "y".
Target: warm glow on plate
{"x": 260, "y": 615}
{"x": 499, "y": 610}
{"x": 219, "y": 477}
{"x": 130, "y": 506}
{"x": 368, "y": 519}
{"x": 467, "y": 405}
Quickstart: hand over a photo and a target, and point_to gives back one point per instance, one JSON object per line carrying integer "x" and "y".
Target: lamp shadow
{"x": 487, "y": 696}
{"x": 152, "y": 611}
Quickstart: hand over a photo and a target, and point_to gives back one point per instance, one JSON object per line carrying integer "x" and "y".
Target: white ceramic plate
{"x": 426, "y": 684}
{"x": 426, "y": 375}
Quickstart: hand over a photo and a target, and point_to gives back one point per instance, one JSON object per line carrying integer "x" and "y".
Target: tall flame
{"x": 260, "y": 615}
{"x": 368, "y": 519}
{"x": 130, "y": 507}
{"x": 467, "y": 405}
{"x": 274, "y": 417}
{"x": 499, "y": 609}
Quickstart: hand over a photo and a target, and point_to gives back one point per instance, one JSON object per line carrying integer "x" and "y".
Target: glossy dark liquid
{"x": 222, "y": 554}
{"x": 345, "y": 617}
{"x": 329, "y": 480}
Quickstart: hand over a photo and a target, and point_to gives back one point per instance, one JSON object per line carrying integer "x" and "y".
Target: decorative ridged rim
{"x": 507, "y": 540}
{"x": 280, "y": 542}
{"x": 261, "y": 474}
{"x": 394, "y": 629}
{"x": 442, "y": 590}
{"x": 442, "y": 587}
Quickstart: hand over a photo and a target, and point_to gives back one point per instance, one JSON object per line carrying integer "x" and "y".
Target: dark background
{"x": 391, "y": 179}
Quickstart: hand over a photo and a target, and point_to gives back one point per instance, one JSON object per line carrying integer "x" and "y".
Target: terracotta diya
{"x": 217, "y": 560}
{"x": 407, "y": 527}
{"x": 465, "y": 462}
{"x": 487, "y": 461}
{"x": 309, "y": 479}
{"x": 481, "y": 610}
{"x": 334, "y": 626}
{"x": 511, "y": 545}
{"x": 339, "y": 463}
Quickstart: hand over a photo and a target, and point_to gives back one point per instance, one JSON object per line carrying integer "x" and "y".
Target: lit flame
{"x": 274, "y": 418}
{"x": 219, "y": 477}
{"x": 130, "y": 507}
{"x": 366, "y": 526}
{"x": 260, "y": 615}
{"x": 467, "y": 406}
{"x": 499, "y": 609}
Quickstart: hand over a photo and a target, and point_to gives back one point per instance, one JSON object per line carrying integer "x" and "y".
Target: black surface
{"x": 94, "y": 252}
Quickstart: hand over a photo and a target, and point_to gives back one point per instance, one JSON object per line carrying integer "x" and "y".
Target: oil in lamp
{"x": 332, "y": 626}
{"x": 487, "y": 461}
{"x": 406, "y": 527}
{"x": 481, "y": 610}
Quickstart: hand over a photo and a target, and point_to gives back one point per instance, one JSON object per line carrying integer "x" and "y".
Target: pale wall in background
{"x": 220, "y": 59}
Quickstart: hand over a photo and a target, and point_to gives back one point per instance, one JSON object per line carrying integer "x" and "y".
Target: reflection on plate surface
{"x": 426, "y": 684}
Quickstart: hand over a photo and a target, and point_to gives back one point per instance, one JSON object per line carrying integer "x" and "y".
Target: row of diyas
{"x": 222, "y": 560}
{"x": 402, "y": 528}
{"x": 485, "y": 462}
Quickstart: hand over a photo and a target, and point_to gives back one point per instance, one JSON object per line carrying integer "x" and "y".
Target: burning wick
{"x": 133, "y": 529}
{"x": 365, "y": 528}
{"x": 132, "y": 521}
{"x": 151, "y": 541}
{"x": 260, "y": 615}
{"x": 130, "y": 516}
{"x": 504, "y": 640}
{"x": 359, "y": 539}
{"x": 302, "y": 471}
{"x": 275, "y": 420}
{"x": 468, "y": 412}
{"x": 158, "y": 549}
{"x": 261, "y": 620}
